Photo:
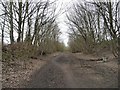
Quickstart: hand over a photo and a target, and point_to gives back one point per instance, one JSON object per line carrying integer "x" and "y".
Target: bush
{"x": 18, "y": 51}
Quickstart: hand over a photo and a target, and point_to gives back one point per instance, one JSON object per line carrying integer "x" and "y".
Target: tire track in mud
{"x": 66, "y": 71}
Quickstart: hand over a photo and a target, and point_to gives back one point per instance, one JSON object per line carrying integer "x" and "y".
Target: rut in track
{"x": 54, "y": 74}
{"x": 65, "y": 71}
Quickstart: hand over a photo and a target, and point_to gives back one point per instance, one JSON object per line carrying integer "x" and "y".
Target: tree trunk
{"x": 3, "y": 30}
{"x": 11, "y": 23}
{"x": 20, "y": 21}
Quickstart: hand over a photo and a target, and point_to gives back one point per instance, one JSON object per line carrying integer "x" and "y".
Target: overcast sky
{"x": 64, "y": 4}
{"x": 62, "y": 18}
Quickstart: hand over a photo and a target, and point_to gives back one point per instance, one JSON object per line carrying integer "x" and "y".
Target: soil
{"x": 16, "y": 74}
{"x": 67, "y": 70}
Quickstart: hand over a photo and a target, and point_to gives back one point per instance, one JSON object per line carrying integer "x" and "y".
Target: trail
{"x": 66, "y": 71}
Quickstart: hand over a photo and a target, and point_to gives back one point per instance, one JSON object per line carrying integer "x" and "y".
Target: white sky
{"x": 64, "y": 4}
{"x": 63, "y": 27}
{"x": 62, "y": 18}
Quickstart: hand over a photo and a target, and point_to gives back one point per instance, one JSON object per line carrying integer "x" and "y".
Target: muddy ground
{"x": 68, "y": 70}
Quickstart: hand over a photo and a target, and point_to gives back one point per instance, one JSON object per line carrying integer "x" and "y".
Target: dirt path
{"x": 66, "y": 71}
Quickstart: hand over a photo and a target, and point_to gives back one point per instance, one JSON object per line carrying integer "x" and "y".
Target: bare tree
{"x": 95, "y": 23}
{"x": 33, "y": 22}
